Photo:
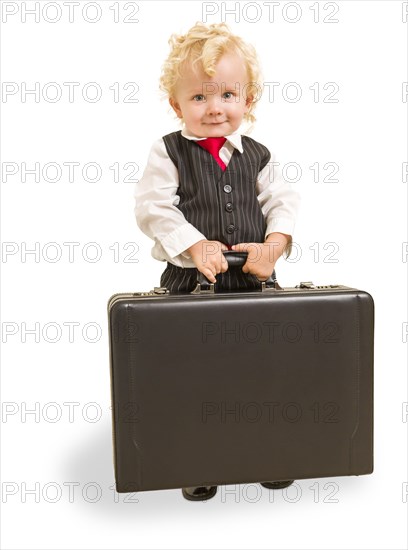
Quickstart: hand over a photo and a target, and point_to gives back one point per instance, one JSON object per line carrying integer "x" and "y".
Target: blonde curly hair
{"x": 206, "y": 44}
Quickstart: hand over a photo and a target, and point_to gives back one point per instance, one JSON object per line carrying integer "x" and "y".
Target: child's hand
{"x": 208, "y": 258}
{"x": 262, "y": 257}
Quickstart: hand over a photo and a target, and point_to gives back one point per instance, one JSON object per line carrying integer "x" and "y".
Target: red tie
{"x": 213, "y": 146}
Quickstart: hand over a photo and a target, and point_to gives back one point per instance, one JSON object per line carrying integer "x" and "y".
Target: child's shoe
{"x": 199, "y": 493}
{"x": 277, "y": 484}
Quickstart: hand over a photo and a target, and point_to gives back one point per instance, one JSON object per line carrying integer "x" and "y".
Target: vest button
{"x": 228, "y": 207}
{"x": 227, "y": 188}
{"x": 231, "y": 228}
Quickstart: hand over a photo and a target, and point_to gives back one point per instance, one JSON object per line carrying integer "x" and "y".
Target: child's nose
{"x": 214, "y": 106}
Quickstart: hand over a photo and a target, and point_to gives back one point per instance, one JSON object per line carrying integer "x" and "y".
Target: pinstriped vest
{"x": 222, "y": 205}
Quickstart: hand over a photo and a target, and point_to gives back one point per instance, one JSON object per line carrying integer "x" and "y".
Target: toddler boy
{"x": 208, "y": 187}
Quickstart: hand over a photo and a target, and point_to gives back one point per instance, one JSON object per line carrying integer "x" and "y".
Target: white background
{"x": 364, "y": 214}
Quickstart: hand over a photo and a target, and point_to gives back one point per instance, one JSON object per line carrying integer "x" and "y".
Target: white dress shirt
{"x": 159, "y": 218}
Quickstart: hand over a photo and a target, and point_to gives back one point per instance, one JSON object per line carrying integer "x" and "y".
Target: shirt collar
{"x": 234, "y": 138}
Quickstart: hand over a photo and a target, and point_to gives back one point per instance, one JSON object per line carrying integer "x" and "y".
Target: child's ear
{"x": 176, "y": 107}
{"x": 248, "y": 102}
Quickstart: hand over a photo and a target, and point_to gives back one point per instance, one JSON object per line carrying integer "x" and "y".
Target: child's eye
{"x": 199, "y": 97}
{"x": 228, "y": 95}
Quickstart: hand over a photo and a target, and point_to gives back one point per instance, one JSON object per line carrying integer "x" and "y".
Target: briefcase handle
{"x": 234, "y": 259}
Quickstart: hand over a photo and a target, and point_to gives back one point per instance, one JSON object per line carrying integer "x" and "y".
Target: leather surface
{"x": 240, "y": 388}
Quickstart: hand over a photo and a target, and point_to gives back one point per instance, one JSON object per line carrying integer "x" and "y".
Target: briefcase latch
{"x": 160, "y": 290}
{"x": 306, "y": 284}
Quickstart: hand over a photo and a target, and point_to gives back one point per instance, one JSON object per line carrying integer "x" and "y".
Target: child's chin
{"x": 216, "y": 129}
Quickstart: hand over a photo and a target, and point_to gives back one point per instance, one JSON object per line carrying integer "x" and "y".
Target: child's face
{"x": 213, "y": 106}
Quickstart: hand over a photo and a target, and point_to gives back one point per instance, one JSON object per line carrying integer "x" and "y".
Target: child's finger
{"x": 222, "y": 245}
{"x": 209, "y": 274}
{"x": 224, "y": 264}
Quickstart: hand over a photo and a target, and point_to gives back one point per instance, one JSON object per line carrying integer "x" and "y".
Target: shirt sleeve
{"x": 156, "y": 209}
{"x": 278, "y": 200}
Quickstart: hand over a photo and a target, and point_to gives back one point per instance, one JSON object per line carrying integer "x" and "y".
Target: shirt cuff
{"x": 280, "y": 225}
{"x": 180, "y": 239}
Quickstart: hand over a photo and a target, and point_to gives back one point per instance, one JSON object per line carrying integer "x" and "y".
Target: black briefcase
{"x": 216, "y": 388}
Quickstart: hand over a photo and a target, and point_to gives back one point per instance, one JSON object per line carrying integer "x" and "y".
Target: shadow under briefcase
{"x": 217, "y": 388}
